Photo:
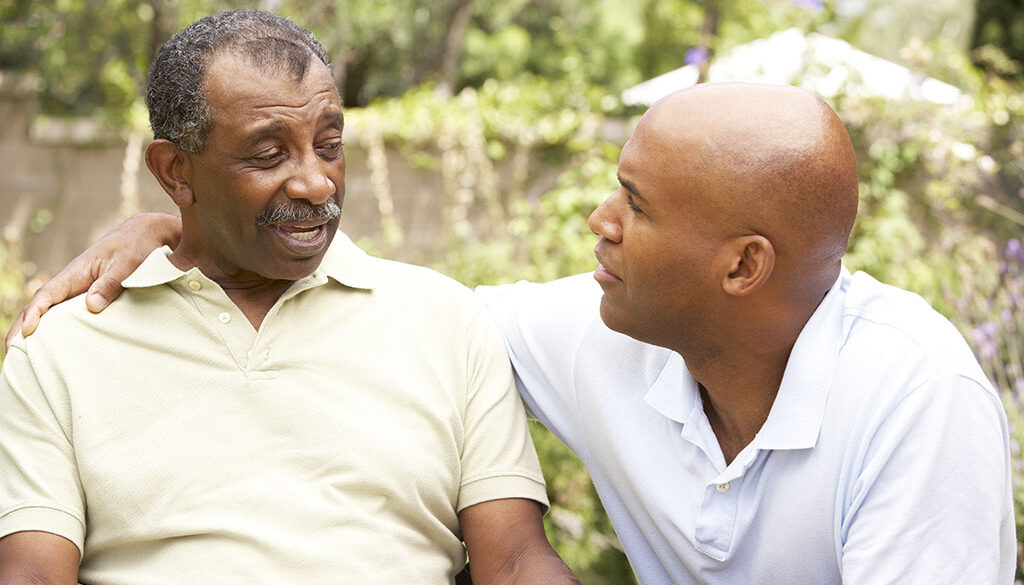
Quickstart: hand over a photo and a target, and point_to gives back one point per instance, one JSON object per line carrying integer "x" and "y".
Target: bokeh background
{"x": 481, "y": 133}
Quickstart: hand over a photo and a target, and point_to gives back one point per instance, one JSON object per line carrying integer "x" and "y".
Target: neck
{"x": 255, "y": 300}
{"x": 740, "y": 369}
{"x": 738, "y": 397}
{"x": 254, "y": 295}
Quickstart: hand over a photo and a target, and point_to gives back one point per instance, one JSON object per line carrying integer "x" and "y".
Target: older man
{"x": 263, "y": 405}
{"x": 750, "y": 411}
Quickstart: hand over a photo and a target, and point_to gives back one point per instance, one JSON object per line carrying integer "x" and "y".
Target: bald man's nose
{"x": 604, "y": 221}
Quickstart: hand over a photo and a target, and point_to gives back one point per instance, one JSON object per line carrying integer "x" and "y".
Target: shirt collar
{"x": 348, "y": 264}
{"x": 155, "y": 270}
{"x": 796, "y": 415}
{"x": 674, "y": 393}
{"x": 343, "y": 262}
{"x": 795, "y": 418}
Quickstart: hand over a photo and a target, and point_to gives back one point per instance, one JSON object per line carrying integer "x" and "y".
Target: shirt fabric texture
{"x": 173, "y": 443}
{"x": 884, "y": 458}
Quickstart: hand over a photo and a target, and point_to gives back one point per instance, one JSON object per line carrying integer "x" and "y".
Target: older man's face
{"x": 271, "y": 171}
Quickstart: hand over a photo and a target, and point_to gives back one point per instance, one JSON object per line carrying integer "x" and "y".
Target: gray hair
{"x": 177, "y": 107}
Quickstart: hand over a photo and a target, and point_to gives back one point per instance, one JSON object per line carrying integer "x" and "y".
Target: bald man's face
{"x": 656, "y": 242}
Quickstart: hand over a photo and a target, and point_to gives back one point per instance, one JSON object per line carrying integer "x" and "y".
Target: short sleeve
{"x": 39, "y": 485}
{"x": 498, "y": 457}
{"x": 543, "y": 326}
{"x": 924, "y": 507}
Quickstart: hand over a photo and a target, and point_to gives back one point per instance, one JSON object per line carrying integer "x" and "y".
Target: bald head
{"x": 771, "y": 160}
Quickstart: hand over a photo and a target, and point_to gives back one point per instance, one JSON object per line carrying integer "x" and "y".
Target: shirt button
{"x": 195, "y": 285}
{"x": 224, "y": 318}
{"x": 723, "y": 487}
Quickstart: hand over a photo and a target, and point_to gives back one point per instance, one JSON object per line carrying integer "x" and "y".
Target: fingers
{"x": 106, "y": 288}
{"x": 52, "y": 292}
{"x": 13, "y": 331}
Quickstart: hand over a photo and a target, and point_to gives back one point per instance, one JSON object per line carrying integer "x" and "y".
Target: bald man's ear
{"x": 751, "y": 260}
{"x": 172, "y": 169}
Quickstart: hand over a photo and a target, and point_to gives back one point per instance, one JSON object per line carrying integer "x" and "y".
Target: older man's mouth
{"x": 302, "y": 240}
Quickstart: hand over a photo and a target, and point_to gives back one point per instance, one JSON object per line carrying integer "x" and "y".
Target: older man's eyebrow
{"x": 631, "y": 188}
{"x": 332, "y": 119}
{"x": 259, "y": 134}
{"x": 335, "y": 119}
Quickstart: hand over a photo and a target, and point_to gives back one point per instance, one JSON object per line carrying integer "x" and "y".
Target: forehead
{"x": 652, "y": 158}
{"x": 240, "y": 94}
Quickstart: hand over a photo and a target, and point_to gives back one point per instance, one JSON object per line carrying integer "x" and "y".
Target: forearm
{"x": 535, "y": 564}
{"x": 154, "y": 226}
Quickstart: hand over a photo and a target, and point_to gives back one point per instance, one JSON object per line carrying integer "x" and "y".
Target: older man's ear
{"x": 172, "y": 168}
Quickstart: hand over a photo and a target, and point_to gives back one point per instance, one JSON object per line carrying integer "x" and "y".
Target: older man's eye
{"x": 267, "y": 157}
{"x": 332, "y": 150}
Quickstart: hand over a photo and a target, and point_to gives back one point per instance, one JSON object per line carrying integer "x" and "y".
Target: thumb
{"x": 102, "y": 292}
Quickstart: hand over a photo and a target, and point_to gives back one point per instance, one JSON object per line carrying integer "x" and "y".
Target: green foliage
{"x": 577, "y": 525}
{"x": 494, "y": 230}
{"x": 91, "y": 56}
{"x": 12, "y": 286}
{"x": 938, "y": 185}
{"x": 999, "y": 24}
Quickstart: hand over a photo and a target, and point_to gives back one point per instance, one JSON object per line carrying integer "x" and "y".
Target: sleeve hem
{"x": 44, "y": 519}
{"x": 502, "y": 487}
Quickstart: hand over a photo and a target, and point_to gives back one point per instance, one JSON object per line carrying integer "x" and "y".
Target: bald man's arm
{"x": 100, "y": 269}
{"x": 38, "y": 558}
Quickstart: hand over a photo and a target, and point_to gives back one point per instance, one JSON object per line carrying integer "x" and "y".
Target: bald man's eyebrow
{"x": 631, "y": 188}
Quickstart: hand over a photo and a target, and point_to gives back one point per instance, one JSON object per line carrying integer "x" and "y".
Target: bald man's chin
{"x": 613, "y": 316}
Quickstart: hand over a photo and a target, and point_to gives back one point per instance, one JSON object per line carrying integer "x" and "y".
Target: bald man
{"x": 749, "y": 410}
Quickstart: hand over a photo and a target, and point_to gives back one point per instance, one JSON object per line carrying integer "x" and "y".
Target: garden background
{"x": 481, "y": 133}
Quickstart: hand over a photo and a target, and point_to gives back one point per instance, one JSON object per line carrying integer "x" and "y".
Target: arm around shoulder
{"x": 100, "y": 268}
{"x": 38, "y": 558}
{"x": 506, "y": 544}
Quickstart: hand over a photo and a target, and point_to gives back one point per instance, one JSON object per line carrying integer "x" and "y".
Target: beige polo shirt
{"x": 173, "y": 443}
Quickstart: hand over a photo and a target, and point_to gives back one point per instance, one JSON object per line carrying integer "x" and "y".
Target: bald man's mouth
{"x": 603, "y": 275}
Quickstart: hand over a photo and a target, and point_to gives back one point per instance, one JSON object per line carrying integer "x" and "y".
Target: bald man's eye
{"x": 632, "y": 204}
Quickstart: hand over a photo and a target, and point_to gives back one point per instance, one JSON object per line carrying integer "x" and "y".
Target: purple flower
{"x": 990, "y": 330}
{"x": 1014, "y": 250}
{"x": 811, "y": 5}
{"x": 696, "y": 56}
{"x": 985, "y": 339}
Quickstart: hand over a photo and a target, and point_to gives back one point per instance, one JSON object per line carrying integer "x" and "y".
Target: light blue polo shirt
{"x": 884, "y": 459}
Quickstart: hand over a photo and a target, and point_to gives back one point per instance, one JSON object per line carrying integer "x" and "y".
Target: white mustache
{"x": 297, "y": 212}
